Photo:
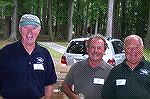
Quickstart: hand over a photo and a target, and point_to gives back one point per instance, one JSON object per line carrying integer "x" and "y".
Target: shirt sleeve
{"x": 50, "y": 74}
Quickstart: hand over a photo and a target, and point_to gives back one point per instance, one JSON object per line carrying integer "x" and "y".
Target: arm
{"x": 48, "y": 92}
{"x": 67, "y": 89}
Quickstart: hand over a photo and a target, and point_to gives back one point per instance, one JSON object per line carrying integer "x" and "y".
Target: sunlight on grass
{"x": 4, "y": 42}
{"x": 62, "y": 43}
{"x": 56, "y": 56}
{"x": 147, "y": 54}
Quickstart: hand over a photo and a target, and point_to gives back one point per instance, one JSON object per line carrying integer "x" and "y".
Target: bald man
{"x": 131, "y": 78}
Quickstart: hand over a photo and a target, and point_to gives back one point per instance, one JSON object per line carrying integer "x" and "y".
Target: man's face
{"x": 134, "y": 51}
{"x": 29, "y": 33}
{"x": 96, "y": 50}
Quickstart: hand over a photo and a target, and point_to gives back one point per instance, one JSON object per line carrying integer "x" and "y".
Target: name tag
{"x": 120, "y": 82}
{"x": 98, "y": 81}
{"x": 38, "y": 66}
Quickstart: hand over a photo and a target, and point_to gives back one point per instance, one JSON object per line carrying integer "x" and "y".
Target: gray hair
{"x": 96, "y": 37}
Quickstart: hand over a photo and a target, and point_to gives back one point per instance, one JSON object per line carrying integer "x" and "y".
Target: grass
{"x": 56, "y": 56}
{"x": 62, "y": 43}
{"x": 4, "y": 42}
{"x": 147, "y": 54}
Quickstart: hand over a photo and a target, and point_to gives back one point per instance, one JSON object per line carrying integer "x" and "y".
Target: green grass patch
{"x": 147, "y": 54}
{"x": 62, "y": 43}
{"x": 56, "y": 56}
{"x": 4, "y": 42}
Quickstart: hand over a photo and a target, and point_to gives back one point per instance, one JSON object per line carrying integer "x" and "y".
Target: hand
{"x": 75, "y": 97}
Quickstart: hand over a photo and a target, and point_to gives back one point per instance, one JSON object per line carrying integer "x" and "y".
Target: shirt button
{"x": 30, "y": 63}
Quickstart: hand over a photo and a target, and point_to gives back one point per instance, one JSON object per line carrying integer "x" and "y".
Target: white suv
{"x": 76, "y": 51}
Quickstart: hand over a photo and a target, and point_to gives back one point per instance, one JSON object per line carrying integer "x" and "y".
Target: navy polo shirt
{"x": 23, "y": 75}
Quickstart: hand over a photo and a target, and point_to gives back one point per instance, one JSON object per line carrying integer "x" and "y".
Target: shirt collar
{"x": 139, "y": 66}
{"x": 103, "y": 65}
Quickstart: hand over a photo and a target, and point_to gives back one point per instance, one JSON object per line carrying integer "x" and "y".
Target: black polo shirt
{"x": 23, "y": 75}
{"x": 124, "y": 83}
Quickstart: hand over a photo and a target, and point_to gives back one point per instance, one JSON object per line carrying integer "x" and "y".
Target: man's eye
{"x": 34, "y": 27}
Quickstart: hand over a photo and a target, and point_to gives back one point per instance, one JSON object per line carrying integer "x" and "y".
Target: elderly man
{"x": 88, "y": 76}
{"x": 130, "y": 79}
{"x": 26, "y": 69}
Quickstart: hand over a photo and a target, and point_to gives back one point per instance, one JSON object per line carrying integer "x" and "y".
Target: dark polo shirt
{"x": 125, "y": 83}
{"x": 24, "y": 76}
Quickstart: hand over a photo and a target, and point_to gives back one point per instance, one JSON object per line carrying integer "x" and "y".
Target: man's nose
{"x": 95, "y": 49}
{"x": 29, "y": 30}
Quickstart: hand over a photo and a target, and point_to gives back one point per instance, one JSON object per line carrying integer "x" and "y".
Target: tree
{"x": 50, "y": 20}
{"x": 44, "y": 17}
{"x": 110, "y": 18}
{"x": 148, "y": 31}
{"x": 70, "y": 13}
{"x": 13, "y": 35}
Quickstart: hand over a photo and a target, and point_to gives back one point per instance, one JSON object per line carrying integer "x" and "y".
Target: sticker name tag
{"x": 38, "y": 66}
{"x": 120, "y": 82}
{"x": 98, "y": 81}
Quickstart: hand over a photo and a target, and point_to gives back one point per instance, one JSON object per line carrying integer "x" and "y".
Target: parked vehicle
{"x": 76, "y": 51}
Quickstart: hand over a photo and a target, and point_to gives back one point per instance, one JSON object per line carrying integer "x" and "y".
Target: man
{"x": 26, "y": 69}
{"x": 130, "y": 79}
{"x": 88, "y": 76}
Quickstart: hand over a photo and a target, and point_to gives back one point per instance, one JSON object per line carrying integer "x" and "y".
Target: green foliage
{"x": 147, "y": 54}
{"x": 7, "y": 7}
{"x": 132, "y": 17}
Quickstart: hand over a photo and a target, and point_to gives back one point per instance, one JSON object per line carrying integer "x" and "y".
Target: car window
{"x": 118, "y": 47}
{"x": 77, "y": 47}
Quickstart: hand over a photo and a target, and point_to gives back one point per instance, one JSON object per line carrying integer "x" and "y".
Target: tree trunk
{"x": 13, "y": 35}
{"x": 148, "y": 32}
{"x": 7, "y": 27}
{"x": 96, "y": 26}
{"x": 115, "y": 26}
{"x": 70, "y": 13}
{"x": 38, "y": 11}
{"x": 50, "y": 20}
{"x": 44, "y": 21}
{"x": 86, "y": 12}
{"x": 123, "y": 21}
{"x": 110, "y": 18}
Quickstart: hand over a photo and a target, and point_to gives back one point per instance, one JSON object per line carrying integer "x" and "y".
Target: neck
{"x": 29, "y": 47}
{"x": 131, "y": 65}
{"x": 94, "y": 64}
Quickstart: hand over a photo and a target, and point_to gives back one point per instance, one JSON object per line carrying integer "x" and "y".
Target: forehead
{"x": 133, "y": 42}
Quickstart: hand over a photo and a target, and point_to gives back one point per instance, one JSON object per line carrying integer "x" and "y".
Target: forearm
{"x": 67, "y": 89}
{"x": 48, "y": 92}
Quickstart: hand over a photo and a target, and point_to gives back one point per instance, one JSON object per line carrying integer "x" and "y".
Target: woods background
{"x": 63, "y": 20}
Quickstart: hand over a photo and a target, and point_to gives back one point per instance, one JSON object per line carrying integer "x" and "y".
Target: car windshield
{"x": 77, "y": 47}
{"x": 118, "y": 47}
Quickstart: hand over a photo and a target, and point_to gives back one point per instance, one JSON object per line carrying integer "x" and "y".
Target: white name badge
{"x": 120, "y": 82}
{"x": 98, "y": 81}
{"x": 38, "y": 66}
